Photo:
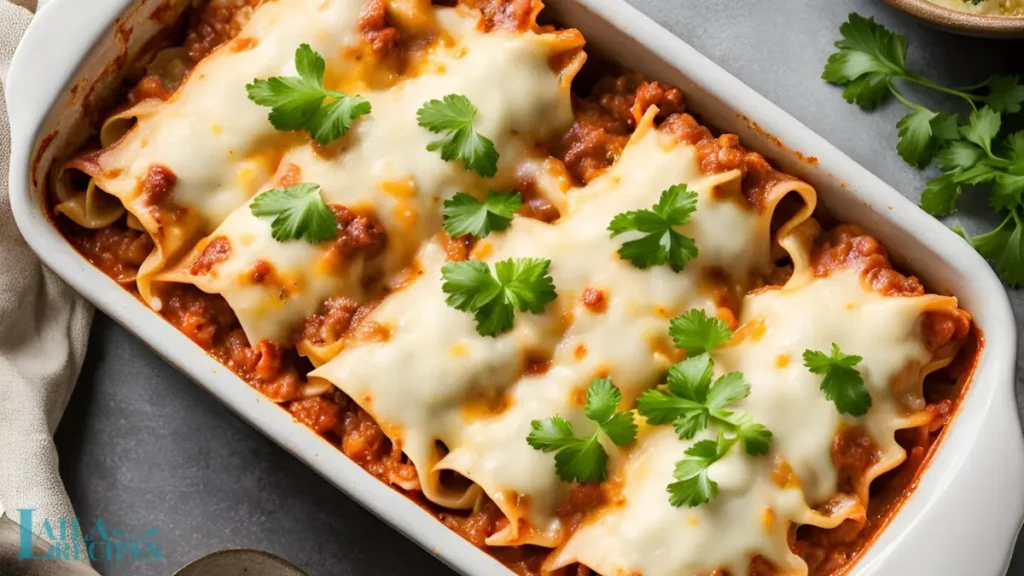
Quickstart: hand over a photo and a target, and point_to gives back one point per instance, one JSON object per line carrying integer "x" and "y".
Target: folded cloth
{"x": 44, "y": 328}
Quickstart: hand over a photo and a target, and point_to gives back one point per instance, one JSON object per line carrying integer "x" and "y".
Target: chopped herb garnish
{"x": 297, "y": 212}
{"x": 659, "y": 243}
{"x": 298, "y": 103}
{"x": 452, "y": 117}
{"x": 843, "y": 384}
{"x": 464, "y": 214}
{"x": 520, "y": 283}
{"x": 583, "y": 459}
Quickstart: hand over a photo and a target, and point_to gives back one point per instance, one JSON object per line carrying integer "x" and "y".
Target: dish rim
{"x": 985, "y": 432}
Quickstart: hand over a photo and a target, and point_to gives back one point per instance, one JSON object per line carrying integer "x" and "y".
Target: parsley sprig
{"x": 976, "y": 150}
{"x": 298, "y": 103}
{"x": 517, "y": 283}
{"x": 464, "y": 214}
{"x": 660, "y": 242}
{"x": 842, "y": 384}
{"x": 583, "y": 459}
{"x": 297, "y": 212}
{"x": 452, "y": 117}
{"x": 692, "y": 400}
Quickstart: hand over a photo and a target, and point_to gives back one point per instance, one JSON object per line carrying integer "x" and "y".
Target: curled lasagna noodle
{"x": 384, "y": 170}
{"x": 189, "y": 162}
{"x": 798, "y": 481}
{"x": 454, "y": 400}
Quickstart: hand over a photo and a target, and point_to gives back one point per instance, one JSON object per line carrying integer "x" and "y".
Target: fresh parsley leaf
{"x": 660, "y": 243}
{"x": 842, "y": 384}
{"x": 1005, "y": 93}
{"x": 469, "y": 285}
{"x": 576, "y": 459}
{"x": 941, "y": 194}
{"x": 584, "y": 459}
{"x": 959, "y": 155}
{"x": 550, "y": 434}
{"x": 1015, "y": 146}
{"x": 982, "y": 126}
{"x": 693, "y": 486}
{"x": 521, "y": 283}
{"x": 959, "y": 231}
{"x": 452, "y": 117}
{"x": 977, "y": 174}
{"x": 603, "y": 400}
{"x": 694, "y": 332}
{"x": 297, "y": 212}
{"x": 298, "y": 103}
{"x": 334, "y": 119}
{"x": 1004, "y": 248}
{"x": 526, "y": 282}
{"x": 729, "y": 388}
{"x": 946, "y": 126}
{"x": 756, "y": 438}
{"x": 916, "y": 144}
{"x": 869, "y": 55}
{"x": 1007, "y": 191}
{"x": 464, "y": 214}
{"x": 691, "y": 378}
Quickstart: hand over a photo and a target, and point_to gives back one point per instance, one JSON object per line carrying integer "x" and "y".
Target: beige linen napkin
{"x": 44, "y": 328}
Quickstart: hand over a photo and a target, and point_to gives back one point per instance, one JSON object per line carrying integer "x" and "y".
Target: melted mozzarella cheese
{"x": 384, "y": 168}
{"x": 753, "y": 513}
{"x": 217, "y": 143}
{"x": 428, "y": 380}
{"x": 646, "y": 535}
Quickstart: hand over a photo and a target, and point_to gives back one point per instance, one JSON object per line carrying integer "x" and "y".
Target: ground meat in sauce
{"x": 534, "y": 205}
{"x": 457, "y": 249}
{"x": 594, "y": 300}
{"x": 374, "y": 26}
{"x": 317, "y": 412}
{"x": 356, "y": 232}
{"x": 216, "y": 251}
{"x": 848, "y": 246}
{"x": 853, "y": 452}
{"x": 606, "y": 119}
{"x": 216, "y": 23}
{"x": 512, "y": 15}
{"x": 331, "y": 322}
{"x": 117, "y": 251}
{"x": 158, "y": 185}
{"x": 199, "y": 315}
{"x": 151, "y": 86}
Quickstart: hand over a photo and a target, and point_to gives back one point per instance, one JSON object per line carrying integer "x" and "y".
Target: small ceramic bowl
{"x": 962, "y": 22}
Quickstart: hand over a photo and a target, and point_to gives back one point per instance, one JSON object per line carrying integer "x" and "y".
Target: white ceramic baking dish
{"x": 963, "y": 517}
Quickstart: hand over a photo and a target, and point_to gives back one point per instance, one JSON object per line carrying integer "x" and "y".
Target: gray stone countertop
{"x": 141, "y": 445}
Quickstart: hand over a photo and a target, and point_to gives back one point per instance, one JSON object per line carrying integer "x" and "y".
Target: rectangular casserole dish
{"x": 962, "y": 518}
